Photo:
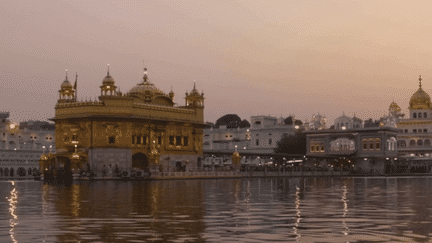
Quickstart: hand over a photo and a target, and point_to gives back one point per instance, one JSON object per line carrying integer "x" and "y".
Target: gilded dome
{"x": 108, "y": 80}
{"x": 420, "y": 99}
{"x": 66, "y": 83}
{"x": 146, "y": 87}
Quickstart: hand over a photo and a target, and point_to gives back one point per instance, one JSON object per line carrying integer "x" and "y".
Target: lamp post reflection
{"x": 13, "y": 199}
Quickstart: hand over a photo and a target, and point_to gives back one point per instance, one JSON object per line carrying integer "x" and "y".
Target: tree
{"x": 371, "y": 123}
{"x": 298, "y": 122}
{"x": 292, "y": 144}
{"x": 231, "y": 121}
{"x": 245, "y": 123}
{"x": 288, "y": 120}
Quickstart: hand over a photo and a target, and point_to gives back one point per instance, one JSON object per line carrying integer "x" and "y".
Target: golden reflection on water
{"x": 345, "y": 208}
{"x": 76, "y": 201}
{"x": 298, "y": 214}
{"x": 13, "y": 200}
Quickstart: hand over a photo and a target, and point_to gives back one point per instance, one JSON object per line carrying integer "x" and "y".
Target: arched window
{"x": 420, "y": 142}
{"x": 420, "y": 115}
{"x": 427, "y": 142}
{"x": 111, "y": 140}
{"x": 412, "y": 143}
{"x": 322, "y": 148}
{"x": 414, "y": 115}
{"x": 425, "y": 115}
{"x": 364, "y": 146}
{"x": 312, "y": 148}
{"x": 138, "y": 139}
{"x": 371, "y": 146}
{"x": 6, "y": 172}
{"x": 317, "y": 148}
{"x": 377, "y": 146}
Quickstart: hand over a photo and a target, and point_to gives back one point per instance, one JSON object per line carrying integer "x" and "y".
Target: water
{"x": 234, "y": 210}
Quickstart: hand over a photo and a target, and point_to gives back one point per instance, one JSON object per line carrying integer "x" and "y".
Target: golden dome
{"x": 420, "y": 99}
{"x": 66, "y": 84}
{"x": 108, "y": 80}
{"x": 146, "y": 87}
{"x": 194, "y": 91}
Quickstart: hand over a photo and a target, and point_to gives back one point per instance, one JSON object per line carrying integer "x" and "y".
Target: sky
{"x": 248, "y": 57}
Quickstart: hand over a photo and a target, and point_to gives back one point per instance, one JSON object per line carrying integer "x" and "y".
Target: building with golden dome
{"x": 416, "y": 137}
{"x": 142, "y": 129}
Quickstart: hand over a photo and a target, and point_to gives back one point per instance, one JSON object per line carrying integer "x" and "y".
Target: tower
{"x": 66, "y": 92}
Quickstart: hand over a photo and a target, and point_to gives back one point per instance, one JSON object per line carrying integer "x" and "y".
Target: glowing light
{"x": 343, "y": 128}
{"x": 297, "y": 127}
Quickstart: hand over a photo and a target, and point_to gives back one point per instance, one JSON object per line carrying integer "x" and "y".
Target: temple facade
{"x": 142, "y": 129}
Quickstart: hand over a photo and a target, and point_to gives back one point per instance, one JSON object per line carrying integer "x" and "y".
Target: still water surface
{"x": 235, "y": 210}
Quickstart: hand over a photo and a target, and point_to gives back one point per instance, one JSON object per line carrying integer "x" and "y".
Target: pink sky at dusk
{"x": 249, "y": 57}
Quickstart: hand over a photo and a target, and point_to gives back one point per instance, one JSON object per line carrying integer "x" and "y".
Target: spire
{"x": 108, "y": 70}
{"x": 76, "y": 80}
{"x": 145, "y": 77}
{"x": 66, "y": 75}
{"x": 420, "y": 79}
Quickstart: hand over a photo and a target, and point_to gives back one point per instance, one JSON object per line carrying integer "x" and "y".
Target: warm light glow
{"x": 343, "y": 128}
{"x": 297, "y": 127}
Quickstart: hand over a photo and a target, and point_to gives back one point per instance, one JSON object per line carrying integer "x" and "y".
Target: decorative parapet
{"x": 78, "y": 104}
{"x": 180, "y": 109}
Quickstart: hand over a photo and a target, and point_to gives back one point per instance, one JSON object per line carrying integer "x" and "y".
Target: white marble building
{"x": 22, "y": 145}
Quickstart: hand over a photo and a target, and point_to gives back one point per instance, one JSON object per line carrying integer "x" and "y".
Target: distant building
{"x": 318, "y": 122}
{"x": 344, "y": 122}
{"x": 415, "y": 139}
{"x": 22, "y": 145}
{"x": 258, "y": 140}
{"x": 365, "y": 150}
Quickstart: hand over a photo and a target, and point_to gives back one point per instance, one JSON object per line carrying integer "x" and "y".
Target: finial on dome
{"x": 420, "y": 79}
{"x": 108, "y": 70}
{"x": 145, "y": 77}
{"x": 194, "y": 84}
{"x": 66, "y": 75}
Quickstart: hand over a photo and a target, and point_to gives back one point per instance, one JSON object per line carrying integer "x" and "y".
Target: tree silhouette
{"x": 292, "y": 144}
{"x": 231, "y": 121}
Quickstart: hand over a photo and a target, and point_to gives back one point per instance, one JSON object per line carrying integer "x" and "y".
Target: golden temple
{"x": 142, "y": 129}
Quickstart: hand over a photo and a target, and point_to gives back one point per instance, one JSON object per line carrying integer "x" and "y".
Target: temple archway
{"x": 140, "y": 161}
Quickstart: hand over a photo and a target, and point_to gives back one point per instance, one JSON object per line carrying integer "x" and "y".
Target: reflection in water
{"x": 298, "y": 215}
{"x": 238, "y": 210}
{"x": 345, "y": 208}
{"x": 13, "y": 199}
